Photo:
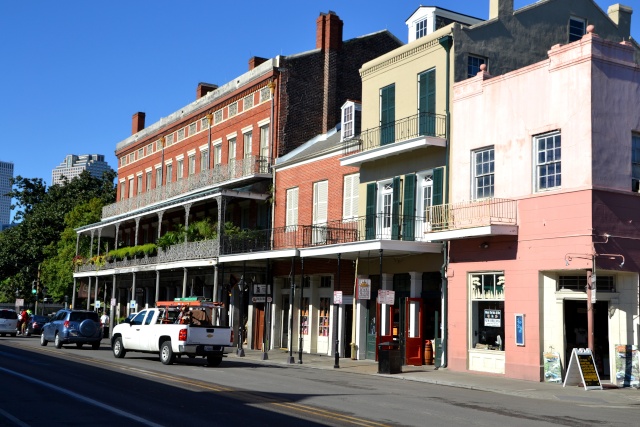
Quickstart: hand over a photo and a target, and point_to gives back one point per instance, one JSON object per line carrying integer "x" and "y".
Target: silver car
{"x": 8, "y": 322}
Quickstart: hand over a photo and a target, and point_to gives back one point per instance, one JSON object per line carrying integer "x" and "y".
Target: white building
{"x": 73, "y": 166}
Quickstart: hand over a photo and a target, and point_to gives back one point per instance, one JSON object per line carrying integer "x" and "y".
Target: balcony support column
{"x": 160, "y": 214}
{"x": 117, "y": 232}
{"x": 135, "y": 239}
{"x": 133, "y": 293}
{"x": 99, "y": 239}
{"x": 222, "y": 202}
{"x": 73, "y": 293}
{"x": 112, "y": 311}
{"x": 77, "y": 243}
{"x": 91, "y": 245}
{"x": 157, "y": 285}
{"x": 89, "y": 293}
{"x": 187, "y": 209}
{"x": 184, "y": 282}
{"x": 95, "y": 292}
{"x": 416, "y": 284}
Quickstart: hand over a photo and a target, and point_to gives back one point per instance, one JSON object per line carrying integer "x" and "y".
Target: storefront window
{"x": 487, "y": 311}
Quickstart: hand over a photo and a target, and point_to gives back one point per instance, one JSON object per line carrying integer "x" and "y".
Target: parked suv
{"x": 73, "y": 326}
{"x": 8, "y": 322}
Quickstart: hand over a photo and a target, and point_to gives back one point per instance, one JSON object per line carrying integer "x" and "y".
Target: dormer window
{"x": 350, "y": 120}
{"x": 421, "y": 28}
{"x": 577, "y": 28}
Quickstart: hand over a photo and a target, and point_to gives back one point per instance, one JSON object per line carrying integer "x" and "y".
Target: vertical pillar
{"x": 291, "y": 297}
{"x": 89, "y": 294}
{"x": 77, "y": 243}
{"x": 336, "y": 363}
{"x": 115, "y": 244}
{"x": 416, "y": 284}
{"x": 91, "y": 245}
{"x": 73, "y": 293}
{"x": 160, "y": 214}
{"x": 300, "y": 311}
{"x": 112, "y": 312}
{"x": 99, "y": 238}
{"x": 241, "y": 329}
{"x": 267, "y": 304}
{"x": 590, "y": 339}
{"x": 184, "y": 282}
{"x": 95, "y": 293}
{"x": 135, "y": 237}
{"x": 187, "y": 209}
{"x": 133, "y": 293}
{"x": 157, "y": 286}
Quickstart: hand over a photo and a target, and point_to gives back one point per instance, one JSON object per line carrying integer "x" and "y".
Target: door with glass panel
{"x": 320, "y": 204}
{"x": 425, "y": 201}
{"x": 385, "y": 205}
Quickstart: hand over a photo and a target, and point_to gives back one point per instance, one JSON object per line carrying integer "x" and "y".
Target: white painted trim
{"x": 285, "y": 253}
{"x": 217, "y": 142}
{"x": 263, "y": 122}
{"x": 191, "y": 152}
{"x": 392, "y": 149}
{"x": 204, "y": 147}
{"x": 232, "y": 135}
{"x": 247, "y": 129}
{"x": 488, "y": 230}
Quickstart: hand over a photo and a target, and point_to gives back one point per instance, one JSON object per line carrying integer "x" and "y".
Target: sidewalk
{"x": 610, "y": 396}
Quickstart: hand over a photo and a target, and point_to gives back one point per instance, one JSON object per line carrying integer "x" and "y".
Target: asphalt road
{"x": 77, "y": 387}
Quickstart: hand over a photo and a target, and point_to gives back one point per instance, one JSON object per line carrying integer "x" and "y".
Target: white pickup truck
{"x": 173, "y": 329}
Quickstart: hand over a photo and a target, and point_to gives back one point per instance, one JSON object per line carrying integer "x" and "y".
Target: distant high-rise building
{"x": 73, "y": 166}
{"x": 6, "y": 173}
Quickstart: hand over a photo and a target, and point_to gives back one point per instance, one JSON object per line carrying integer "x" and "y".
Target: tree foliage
{"x": 42, "y": 213}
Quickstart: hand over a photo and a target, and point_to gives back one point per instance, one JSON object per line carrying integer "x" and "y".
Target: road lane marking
{"x": 83, "y": 398}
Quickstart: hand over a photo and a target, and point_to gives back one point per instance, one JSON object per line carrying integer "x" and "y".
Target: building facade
{"x": 73, "y": 165}
{"x": 196, "y": 189}
{"x": 6, "y": 174}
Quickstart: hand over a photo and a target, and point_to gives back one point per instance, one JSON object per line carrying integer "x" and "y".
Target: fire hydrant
{"x": 353, "y": 351}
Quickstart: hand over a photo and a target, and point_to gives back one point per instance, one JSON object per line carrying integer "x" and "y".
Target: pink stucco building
{"x": 560, "y": 139}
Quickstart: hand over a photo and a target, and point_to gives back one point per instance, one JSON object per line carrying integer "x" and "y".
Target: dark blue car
{"x": 73, "y": 327}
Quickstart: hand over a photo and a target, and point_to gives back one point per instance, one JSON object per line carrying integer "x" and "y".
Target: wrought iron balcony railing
{"x": 204, "y": 249}
{"x": 237, "y": 169}
{"x": 422, "y": 124}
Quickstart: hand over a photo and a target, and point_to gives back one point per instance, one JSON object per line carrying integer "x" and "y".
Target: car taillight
{"x": 231, "y": 337}
{"x": 182, "y": 335}
{"x": 66, "y": 323}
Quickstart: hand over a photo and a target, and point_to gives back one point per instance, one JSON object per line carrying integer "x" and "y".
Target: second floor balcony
{"x": 236, "y": 172}
{"x": 403, "y": 135}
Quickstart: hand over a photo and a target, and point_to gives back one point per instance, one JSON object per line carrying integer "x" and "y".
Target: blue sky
{"x": 75, "y": 71}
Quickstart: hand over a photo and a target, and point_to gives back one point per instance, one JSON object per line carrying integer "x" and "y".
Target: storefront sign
{"x": 386, "y": 296}
{"x": 552, "y": 368}
{"x": 627, "y": 366}
{"x": 337, "y": 297}
{"x": 493, "y": 318}
{"x": 582, "y": 370}
{"x": 364, "y": 289}
{"x": 261, "y": 289}
{"x": 519, "y": 329}
{"x": 260, "y": 299}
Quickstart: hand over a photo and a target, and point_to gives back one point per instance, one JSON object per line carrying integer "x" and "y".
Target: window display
{"x": 323, "y": 318}
{"x": 487, "y": 311}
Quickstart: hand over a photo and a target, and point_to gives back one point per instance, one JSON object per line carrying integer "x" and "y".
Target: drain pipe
{"x": 446, "y": 42}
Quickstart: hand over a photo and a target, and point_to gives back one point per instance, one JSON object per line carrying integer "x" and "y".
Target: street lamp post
{"x": 336, "y": 363}
{"x": 300, "y": 310}
{"x": 291, "y": 359}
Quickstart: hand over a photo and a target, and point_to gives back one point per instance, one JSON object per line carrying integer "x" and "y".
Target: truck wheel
{"x": 57, "y": 341}
{"x": 118, "y": 348}
{"x": 43, "y": 342}
{"x": 166, "y": 353}
{"x": 214, "y": 361}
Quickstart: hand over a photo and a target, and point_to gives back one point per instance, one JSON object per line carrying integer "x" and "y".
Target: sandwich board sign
{"x": 582, "y": 370}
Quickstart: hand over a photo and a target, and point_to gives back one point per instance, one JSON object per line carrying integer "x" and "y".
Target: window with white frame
{"x": 180, "y": 169}
{"x": 347, "y": 121}
{"x": 204, "y": 123}
{"x": 139, "y": 182}
{"x": 248, "y": 142}
{"x": 425, "y": 197}
{"x": 487, "y": 310}
{"x": 140, "y": 153}
{"x": 265, "y": 94}
{"x": 148, "y": 181}
{"x": 577, "y": 27}
{"x": 132, "y": 157}
{"x": 217, "y": 155}
{"x": 421, "y": 28}
{"x": 247, "y": 102}
{"x": 635, "y": 162}
{"x": 233, "y": 109}
{"x": 122, "y": 190}
{"x": 131, "y": 184}
{"x": 232, "y": 157}
{"x": 149, "y": 149}
{"x": 292, "y": 209}
{"x": 548, "y": 161}
{"x": 180, "y": 134}
{"x": 217, "y": 117}
{"x": 473, "y": 65}
{"x": 158, "y": 177}
{"x": 204, "y": 160}
{"x": 193, "y": 129}
{"x": 483, "y": 173}
{"x": 169, "y": 139}
{"x": 320, "y": 205}
{"x": 192, "y": 164}
{"x": 350, "y": 198}
{"x": 159, "y": 145}
{"x": 264, "y": 142}
{"x": 169, "y": 172}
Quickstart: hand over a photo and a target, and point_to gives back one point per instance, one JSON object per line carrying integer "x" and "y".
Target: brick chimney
{"x": 204, "y": 88}
{"x": 328, "y": 31}
{"x": 621, "y": 16}
{"x": 255, "y": 61}
{"x": 500, "y": 8}
{"x": 137, "y": 122}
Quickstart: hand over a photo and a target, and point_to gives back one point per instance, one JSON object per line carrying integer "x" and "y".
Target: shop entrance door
{"x": 414, "y": 347}
{"x": 387, "y": 330}
{"x": 258, "y": 326}
{"x": 575, "y": 332}
{"x": 372, "y": 335}
{"x": 284, "y": 323}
